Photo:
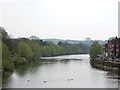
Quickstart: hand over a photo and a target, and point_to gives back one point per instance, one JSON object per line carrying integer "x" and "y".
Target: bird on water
{"x": 45, "y": 81}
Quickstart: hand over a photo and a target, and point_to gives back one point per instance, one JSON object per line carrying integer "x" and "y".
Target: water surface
{"x": 57, "y": 71}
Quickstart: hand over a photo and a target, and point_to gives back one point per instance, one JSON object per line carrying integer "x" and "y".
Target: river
{"x": 68, "y": 71}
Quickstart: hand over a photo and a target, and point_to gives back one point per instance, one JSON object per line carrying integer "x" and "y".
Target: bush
{"x": 7, "y": 65}
{"x": 18, "y": 60}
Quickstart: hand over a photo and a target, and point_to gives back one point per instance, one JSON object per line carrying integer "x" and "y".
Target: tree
{"x": 53, "y": 51}
{"x": 35, "y": 48}
{"x": 84, "y": 47}
{"x": 44, "y": 50}
{"x": 76, "y": 49}
{"x": 67, "y": 47}
{"x": 25, "y": 50}
{"x": 96, "y": 49}
{"x": 33, "y": 37}
{"x": 7, "y": 64}
{"x": 5, "y": 52}
{"x": 3, "y": 35}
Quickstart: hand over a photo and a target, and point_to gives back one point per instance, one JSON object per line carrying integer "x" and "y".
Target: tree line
{"x": 21, "y": 50}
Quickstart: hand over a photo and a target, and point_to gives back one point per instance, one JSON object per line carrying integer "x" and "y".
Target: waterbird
{"x": 68, "y": 79}
{"x": 45, "y": 81}
{"x": 28, "y": 80}
{"x": 71, "y": 79}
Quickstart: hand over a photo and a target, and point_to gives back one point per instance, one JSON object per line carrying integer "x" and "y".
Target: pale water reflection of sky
{"x": 63, "y": 19}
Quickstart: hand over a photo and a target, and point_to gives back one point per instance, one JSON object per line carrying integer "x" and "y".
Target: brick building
{"x": 112, "y": 48}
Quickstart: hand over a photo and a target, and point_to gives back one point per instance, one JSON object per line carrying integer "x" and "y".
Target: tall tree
{"x": 25, "y": 50}
{"x": 96, "y": 49}
{"x": 35, "y": 48}
{"x": 3, "y": 35}
{"x": 6, "y": 61}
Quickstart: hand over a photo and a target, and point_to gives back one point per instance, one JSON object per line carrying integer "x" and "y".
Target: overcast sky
{"x": 62, "y": 19}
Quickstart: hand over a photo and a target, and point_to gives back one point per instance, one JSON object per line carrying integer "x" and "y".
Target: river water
{"x": 68, "y": 71}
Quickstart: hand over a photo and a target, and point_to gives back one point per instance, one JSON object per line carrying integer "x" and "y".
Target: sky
{"x": 61, "y": 19}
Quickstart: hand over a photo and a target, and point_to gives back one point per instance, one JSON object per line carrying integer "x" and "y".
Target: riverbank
{"x": 106, "y": 65}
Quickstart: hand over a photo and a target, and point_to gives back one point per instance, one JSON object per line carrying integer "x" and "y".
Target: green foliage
{"x": 18, "y": 60}
{"x": 96, "y": 49}
{"x": 47, "y": 48}
{"x": 7, "y": 64}
{"x": 25, "y": 50}
{"x": 41, "y": 51}
{"x": 45, "y": 51}
{"x": 5, "y": 52}
{"x": 35, "y": 48}
{"x": 53, "y": 51}
{"x": 4, "y": 35}
{"x": 84, "y": 47}
{"x": 73, "y": 48}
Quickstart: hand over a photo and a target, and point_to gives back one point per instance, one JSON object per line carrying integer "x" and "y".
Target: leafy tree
{"x": 96, "y": 49}
{"x": 25, "y": 50}
{"x": 45, "y": 52}
{"x": 48, "y": 50}
{"x": 7, "y": 64}
{"x": 84, "y": 47}
{"x": 67, "y": 47}
{"x": 41, "y": 51}
{"x": 61, "y": 50}
{"x": 33, "y": 37}
{"x": 53, "y": 51}
{"x": 3, "y": 35}
{"x": 35, "y": 48}
{"x": 12, "y": 45}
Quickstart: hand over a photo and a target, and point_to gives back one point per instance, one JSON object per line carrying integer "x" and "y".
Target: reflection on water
{"x": 69, "y": 71}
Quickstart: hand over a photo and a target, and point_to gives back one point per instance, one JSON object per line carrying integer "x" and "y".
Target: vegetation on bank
{"x": 106, "y": 65}
{"x": 96, "y": 49}
{"x": 7, "y": 64}
{"x": 22, "y": 50}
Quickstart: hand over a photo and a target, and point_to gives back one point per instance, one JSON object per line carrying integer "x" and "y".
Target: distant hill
{"x": 89, "y": 42}
{"x": 52, "y": 40}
